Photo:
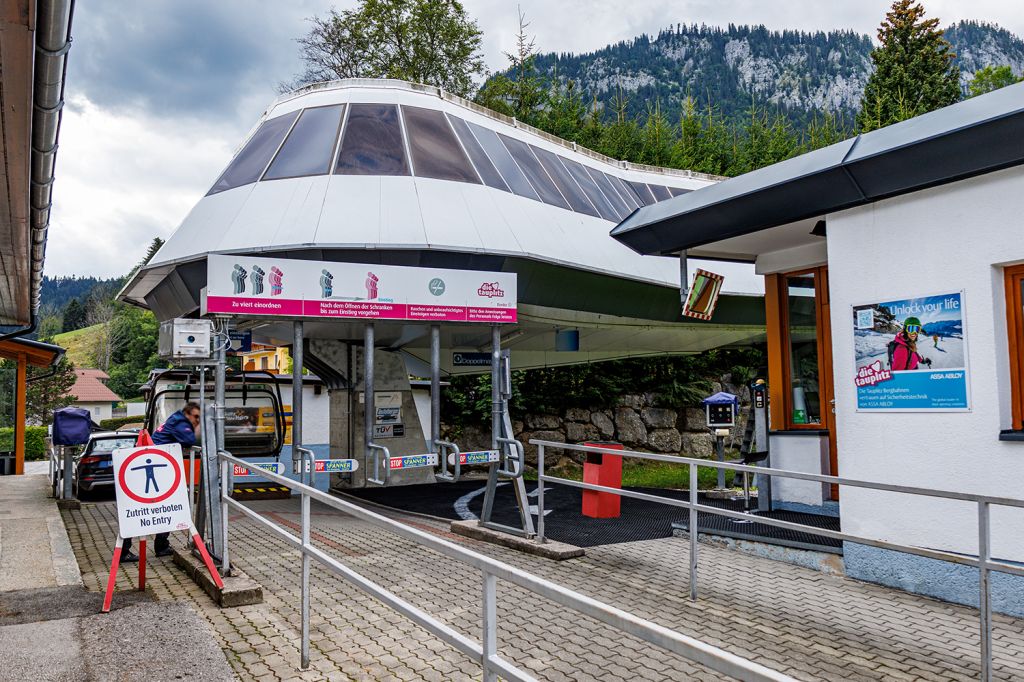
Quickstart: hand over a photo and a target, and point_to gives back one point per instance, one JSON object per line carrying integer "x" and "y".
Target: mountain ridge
{"x": 795, "y": 72}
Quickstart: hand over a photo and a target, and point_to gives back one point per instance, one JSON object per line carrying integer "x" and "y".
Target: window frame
{"x": 265, "y": 176}
{"x": 1014, "y": 280}
{"x": 781, "y": 384}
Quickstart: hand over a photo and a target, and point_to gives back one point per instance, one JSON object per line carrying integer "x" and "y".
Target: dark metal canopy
{"x": 976, "y": 136}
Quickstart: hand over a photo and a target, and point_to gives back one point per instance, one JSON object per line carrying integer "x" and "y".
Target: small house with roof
{"x": 91, "y": 393}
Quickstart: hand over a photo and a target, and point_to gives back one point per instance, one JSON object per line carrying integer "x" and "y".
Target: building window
{"x": 799, "y": 348}
{"x": 802, "y": 350}
{"x": 1015, "y": 327}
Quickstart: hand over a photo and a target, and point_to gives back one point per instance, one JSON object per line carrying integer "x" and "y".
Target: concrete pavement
{"x": 50, "y": 625}
{"x": 796, "y": 620}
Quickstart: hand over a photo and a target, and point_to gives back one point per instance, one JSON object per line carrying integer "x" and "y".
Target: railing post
{"x": 540, "y": 494}
{"x": 985, "y": 602}
{"x": 693, "y": 531}
{"x": 225, "y": 492}
{"x": 305, "y": 581}
{"x": 489, "y": 640}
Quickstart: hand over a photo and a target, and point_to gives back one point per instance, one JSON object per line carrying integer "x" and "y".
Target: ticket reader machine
{"x": 720, "y": 410}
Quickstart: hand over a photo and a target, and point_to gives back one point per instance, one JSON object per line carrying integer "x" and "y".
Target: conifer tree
{"x": 914, "y": 71}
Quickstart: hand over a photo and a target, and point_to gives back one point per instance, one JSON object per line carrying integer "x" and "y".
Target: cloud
{"x": 123, "y": 179}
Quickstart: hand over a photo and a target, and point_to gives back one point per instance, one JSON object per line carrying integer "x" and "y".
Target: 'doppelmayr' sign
{"x": 251, "y": 285}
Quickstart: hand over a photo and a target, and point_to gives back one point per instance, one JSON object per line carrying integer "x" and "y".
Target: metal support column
{"x": 297, "y": 360}
{"x": 492, "y": 475}
{"x": 985, "y": 597}
{"x": 213, "y": 444}
{"x": 720, "y": 454}
{"x": 369, "y": 415}
{"x": 435, "y": 390}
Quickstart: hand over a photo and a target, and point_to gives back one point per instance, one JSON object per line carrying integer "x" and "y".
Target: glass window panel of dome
{"x": 250, "y": 163}
{"x": 627, "y": 194}
{"x": 676, "y": 191}
{"x": 660, "y": 192}
{"x": 436, "y": 152}
{"x": 309, "y": 148}
{"x": 488, "y": 173}
{"x": 646, "y": 198}
{"x": 504, "y": 162}
{"x": 520, "y": 151}
{"x": 565, "y": 183}
{"x": 590, "y": 188}
{"x": 605, "y": 184}
{"x": 372, "y": 142}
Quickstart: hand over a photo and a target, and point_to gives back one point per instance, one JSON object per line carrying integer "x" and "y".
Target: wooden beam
{"x": 20, "y": 414}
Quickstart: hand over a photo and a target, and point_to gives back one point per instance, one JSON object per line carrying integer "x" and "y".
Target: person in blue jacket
{"x": 181, "y": 427}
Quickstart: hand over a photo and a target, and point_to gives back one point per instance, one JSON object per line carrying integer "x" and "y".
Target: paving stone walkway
{"x": 804, "y": 623}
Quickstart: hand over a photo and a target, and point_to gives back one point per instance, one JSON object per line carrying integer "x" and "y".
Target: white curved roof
{"x": 356, "y": 209}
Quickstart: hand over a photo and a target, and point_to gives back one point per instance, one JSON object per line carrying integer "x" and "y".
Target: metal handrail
{"x": 443, "y": 448}
{"x": 376, "y": 479}
{"x": 520, "y": 459}
{"x": 485, "y": 651}
{"x": 983, "y": 562}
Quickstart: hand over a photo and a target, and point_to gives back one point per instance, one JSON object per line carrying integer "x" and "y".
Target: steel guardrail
{"x": 984, "y": 562}
{"x": 484, "y": 651}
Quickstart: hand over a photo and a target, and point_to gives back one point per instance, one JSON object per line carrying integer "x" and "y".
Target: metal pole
{"x": 225, "y": 491}
{"x": 496, "y": 386}
{"x": 693, "y": 532}
{"x": 192, "y": 453}
{"x": 540, "y": 493}
{"x": 211, "y": 482}
{"x": 489, "y": 641}
{"x": 305, "y": 581}
{"x": 369, "y": 416}
{"x": 720, "y": 451}
{"x": 985, "y": 602}
{"x": 297, "y": 359}
{"x": 69, "y": 472}
{"x": 435, "y": 392}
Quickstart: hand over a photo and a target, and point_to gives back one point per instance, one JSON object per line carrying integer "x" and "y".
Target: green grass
{"x": 638, "y": 474}
{"x": 79, "y": 344}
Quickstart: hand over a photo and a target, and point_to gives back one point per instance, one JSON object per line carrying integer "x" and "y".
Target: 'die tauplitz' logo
{"x": 491, "y": 290}
{"x": 436, "y": 286}
{"x": 238, "y": 276}
{"x": 326, "y": 284}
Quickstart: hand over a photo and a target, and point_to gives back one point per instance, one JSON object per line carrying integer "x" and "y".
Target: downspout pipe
{"x": 53, "y": 40}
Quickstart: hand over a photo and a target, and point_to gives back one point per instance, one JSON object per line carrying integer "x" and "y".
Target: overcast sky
{"x": 159, "y": 94}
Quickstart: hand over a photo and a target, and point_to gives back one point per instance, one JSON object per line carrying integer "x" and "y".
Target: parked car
{"x": 95, "y": 467}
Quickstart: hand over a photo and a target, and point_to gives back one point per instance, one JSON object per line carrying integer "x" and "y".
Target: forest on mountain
{"x": 797, "y": 74}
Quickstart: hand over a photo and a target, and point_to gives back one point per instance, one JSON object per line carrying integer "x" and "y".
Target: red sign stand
{"x": 145, "y": 439}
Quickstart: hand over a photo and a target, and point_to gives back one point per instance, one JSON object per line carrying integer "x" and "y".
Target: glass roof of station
{"x": 392, "y": 139}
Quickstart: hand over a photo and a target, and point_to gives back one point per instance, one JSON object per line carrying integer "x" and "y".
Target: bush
{"x": 35, "y": 441}
{"x": 117, "y": 422}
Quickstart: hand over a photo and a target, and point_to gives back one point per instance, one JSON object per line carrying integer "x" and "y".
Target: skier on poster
{"x": 148, "y": 467}
{"x": 903, "y": 354}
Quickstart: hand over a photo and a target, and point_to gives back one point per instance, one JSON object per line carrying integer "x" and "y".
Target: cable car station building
{"x": 341, "y": 183}
{"x": 894, "y": 276}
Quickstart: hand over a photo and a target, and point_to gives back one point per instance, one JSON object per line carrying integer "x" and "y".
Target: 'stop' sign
{"x": 149, "y": 484}
{"x": 252, "y": 285}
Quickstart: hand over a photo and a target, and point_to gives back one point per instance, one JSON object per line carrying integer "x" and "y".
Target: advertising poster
{"x": 911, "y": 355}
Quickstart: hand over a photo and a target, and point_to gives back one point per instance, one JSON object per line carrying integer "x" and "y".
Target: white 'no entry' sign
{"x": 151, "y": 493}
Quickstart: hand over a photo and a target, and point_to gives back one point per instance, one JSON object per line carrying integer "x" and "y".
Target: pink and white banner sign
{"x": 251, "y": 285}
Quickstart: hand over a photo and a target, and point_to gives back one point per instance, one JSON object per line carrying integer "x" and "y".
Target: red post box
{"x": 602, "y": 469}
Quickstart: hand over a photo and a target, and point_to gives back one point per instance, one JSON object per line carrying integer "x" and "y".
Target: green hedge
{"x": 35, "y": 441}
{"x": 117, "y": 422}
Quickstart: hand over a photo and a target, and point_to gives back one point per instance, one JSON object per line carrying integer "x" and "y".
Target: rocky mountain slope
{"x": 793, "y": 71}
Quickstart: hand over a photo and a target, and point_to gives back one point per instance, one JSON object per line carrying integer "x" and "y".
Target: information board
{"x": 327, "y": 289}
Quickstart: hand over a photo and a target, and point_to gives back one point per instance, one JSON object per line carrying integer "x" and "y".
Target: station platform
{"x": 564, "y": 522}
